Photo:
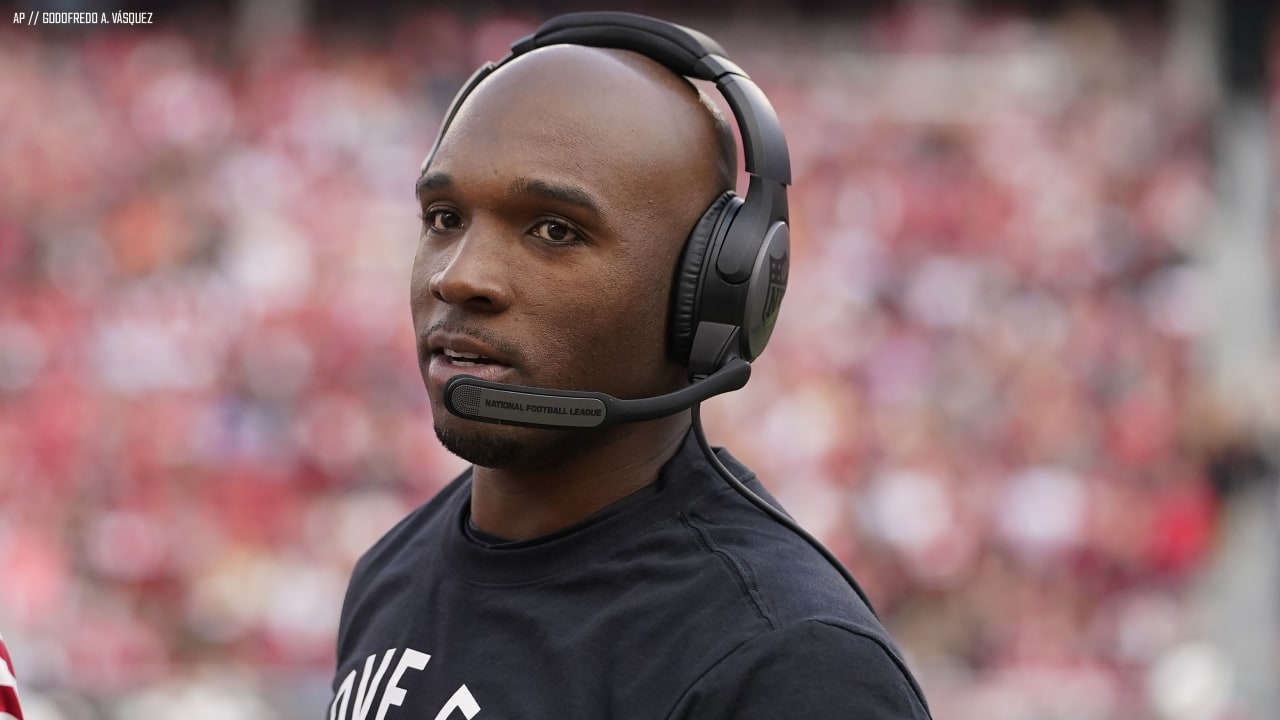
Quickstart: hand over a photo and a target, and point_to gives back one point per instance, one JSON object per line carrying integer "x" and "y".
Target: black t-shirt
{"x": 681, "y": 600}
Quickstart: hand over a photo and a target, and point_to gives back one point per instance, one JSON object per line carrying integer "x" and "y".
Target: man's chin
{"x": 485, "y": 446}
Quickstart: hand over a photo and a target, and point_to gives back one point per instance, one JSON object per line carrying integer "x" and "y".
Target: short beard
{"x": 482, "y": 449}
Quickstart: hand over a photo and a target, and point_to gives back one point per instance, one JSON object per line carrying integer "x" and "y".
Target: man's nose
{"x": 476, "y": 274}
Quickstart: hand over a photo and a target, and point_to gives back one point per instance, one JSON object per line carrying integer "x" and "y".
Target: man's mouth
{"x": 465, "y": 359}
{"x": 460, "y": 353}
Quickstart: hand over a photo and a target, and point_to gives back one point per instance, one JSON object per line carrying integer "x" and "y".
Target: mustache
{"x": 476, "y": 332}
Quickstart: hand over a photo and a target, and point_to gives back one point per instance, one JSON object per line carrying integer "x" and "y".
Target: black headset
{"x": 733, "y": 271}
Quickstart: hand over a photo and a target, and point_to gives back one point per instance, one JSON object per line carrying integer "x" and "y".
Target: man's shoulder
{"x": 788, "y": 576}
{"x": 788, "y": 581}
{"x": 814, "y": 668}
{"x": 392, "y": 561}
{"x": 811, "y": 614}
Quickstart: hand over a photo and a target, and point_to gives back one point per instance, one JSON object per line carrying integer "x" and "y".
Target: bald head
{"x": 643, "y": 105}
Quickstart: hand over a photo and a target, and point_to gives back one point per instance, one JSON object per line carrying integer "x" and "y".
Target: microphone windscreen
{"x": 466, "y": 398}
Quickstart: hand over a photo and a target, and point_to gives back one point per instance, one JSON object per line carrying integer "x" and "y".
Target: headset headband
{"x": 685, "y": 52}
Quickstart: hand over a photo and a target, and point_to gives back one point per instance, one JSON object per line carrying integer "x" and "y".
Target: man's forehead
{"x": 579, "y": 108}
{"x": 584, "y": 70}
{"x": 555, "y": 93}
{"x": 629, "y": 133}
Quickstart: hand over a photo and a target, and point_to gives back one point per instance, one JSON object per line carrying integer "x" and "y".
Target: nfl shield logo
{"x": 778, "y": 269}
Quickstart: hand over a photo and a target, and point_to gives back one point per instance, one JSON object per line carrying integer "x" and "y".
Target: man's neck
{"x": 524, "y": 504}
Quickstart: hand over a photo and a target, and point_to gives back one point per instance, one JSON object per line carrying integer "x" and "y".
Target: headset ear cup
{"x": 684, "y": 291}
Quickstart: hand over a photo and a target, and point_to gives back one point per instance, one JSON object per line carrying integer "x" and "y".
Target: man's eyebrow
{"x": 432, "y": 181}
{"x": 571, "y": 194}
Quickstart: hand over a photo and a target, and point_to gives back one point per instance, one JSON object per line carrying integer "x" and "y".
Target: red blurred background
{"x": 987, "y": 392}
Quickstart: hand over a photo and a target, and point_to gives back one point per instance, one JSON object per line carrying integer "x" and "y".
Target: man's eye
{"x": 556, "y": 232}
{"x": 441, "y": 220}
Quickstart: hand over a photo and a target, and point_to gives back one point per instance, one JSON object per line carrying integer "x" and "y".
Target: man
{"x": 602, "y": 573}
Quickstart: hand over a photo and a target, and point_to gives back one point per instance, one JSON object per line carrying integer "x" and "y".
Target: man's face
{"x": 553, "y": 217}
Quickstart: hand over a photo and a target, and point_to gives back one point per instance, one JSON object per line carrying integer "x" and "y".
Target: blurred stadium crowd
{"x": 981, "y": 394}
